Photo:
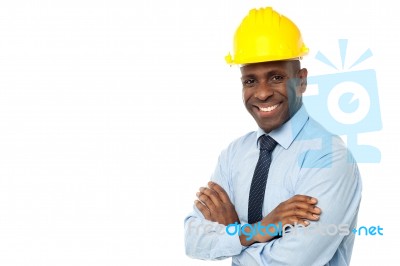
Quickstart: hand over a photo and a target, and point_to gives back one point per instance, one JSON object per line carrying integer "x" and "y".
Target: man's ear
{"x": 302, "y": 75}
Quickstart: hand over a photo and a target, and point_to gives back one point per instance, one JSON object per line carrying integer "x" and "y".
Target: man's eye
{"x": 277, "y": 78}
{"x": 248, "y": 82}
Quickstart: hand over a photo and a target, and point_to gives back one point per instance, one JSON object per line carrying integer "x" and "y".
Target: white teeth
{"x": 268, "y": 109}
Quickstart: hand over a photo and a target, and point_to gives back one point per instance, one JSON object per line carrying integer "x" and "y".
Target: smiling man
{"x": 278, "y": 174}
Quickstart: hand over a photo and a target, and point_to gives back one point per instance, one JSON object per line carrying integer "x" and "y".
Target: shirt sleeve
{"x": 333, "y": 179}
{"x": 208, "y": 240}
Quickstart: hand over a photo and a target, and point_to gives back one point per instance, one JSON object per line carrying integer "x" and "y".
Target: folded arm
{"x": 336, "y": 184}
{"x": 206, "y": 237}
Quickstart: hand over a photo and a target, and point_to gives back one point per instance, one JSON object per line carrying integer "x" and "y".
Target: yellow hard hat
{"x": 265, "y": 35}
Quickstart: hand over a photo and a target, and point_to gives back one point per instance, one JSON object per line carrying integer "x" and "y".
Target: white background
{"x": 113, "y": 114}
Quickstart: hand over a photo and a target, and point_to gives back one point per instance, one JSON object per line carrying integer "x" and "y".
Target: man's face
{"x": 272, "y": 91}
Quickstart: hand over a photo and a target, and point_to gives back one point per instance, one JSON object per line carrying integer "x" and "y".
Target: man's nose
{"x": 263, "y": 92}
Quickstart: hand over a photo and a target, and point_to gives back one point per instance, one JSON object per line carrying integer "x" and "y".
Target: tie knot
{"x": 267, "y": 143}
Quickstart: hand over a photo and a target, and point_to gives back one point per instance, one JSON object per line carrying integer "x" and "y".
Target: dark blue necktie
{"x": 259, "y": 182}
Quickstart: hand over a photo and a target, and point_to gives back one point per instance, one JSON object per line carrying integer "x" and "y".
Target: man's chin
{"x": 268, "y": 126}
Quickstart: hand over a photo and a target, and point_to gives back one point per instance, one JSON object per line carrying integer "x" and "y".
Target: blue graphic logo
{"x": 347, "y": 103}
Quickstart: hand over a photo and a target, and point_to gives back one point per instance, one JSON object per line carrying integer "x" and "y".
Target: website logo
{"x": 347, "y": 102}
{"x": 288, "y": 230}
{"x": 279, "y": 230}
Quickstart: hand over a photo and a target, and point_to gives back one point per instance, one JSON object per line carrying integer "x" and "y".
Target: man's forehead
{"x": 282, "y": 65}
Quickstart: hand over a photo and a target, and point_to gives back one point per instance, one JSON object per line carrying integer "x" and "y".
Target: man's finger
{"x": 304, "y": 206}
{"x": 206, "y": 201}
{"x": 301, "y": 214}
{"x": 221, "y": 192}
{"x": 212, "y": 194}
{"x": 303, "y": 198}
{"x": 203, "y": 209}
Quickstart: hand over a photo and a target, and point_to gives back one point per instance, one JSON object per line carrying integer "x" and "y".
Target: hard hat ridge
{"x": 265, "y": 35}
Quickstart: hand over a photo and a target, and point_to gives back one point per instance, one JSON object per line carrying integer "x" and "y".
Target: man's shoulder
{"x": 318, "y": 143}
{"x": 250, "y": 136}
{"x": 243, "y": 142}
{"x": 314, "y": 130}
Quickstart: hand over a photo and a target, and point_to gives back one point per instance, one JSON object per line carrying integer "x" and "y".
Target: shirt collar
{"x": 285, "y": 134}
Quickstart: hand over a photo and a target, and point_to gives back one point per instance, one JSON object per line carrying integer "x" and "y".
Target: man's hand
{"x": 299, "y": 209}
{"x": 215, "y": 204}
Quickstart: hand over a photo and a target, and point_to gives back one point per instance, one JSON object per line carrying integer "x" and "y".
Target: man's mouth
{"x": 269, "y": 108}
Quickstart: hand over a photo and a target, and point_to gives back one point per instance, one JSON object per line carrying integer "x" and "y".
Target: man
{"x": 276, "y": 175}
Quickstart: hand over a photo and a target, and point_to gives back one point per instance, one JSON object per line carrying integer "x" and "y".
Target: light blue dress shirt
{"x": 308, "y": 160}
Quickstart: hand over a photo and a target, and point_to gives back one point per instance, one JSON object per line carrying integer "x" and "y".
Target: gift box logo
{"x": 347, "y": 103}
